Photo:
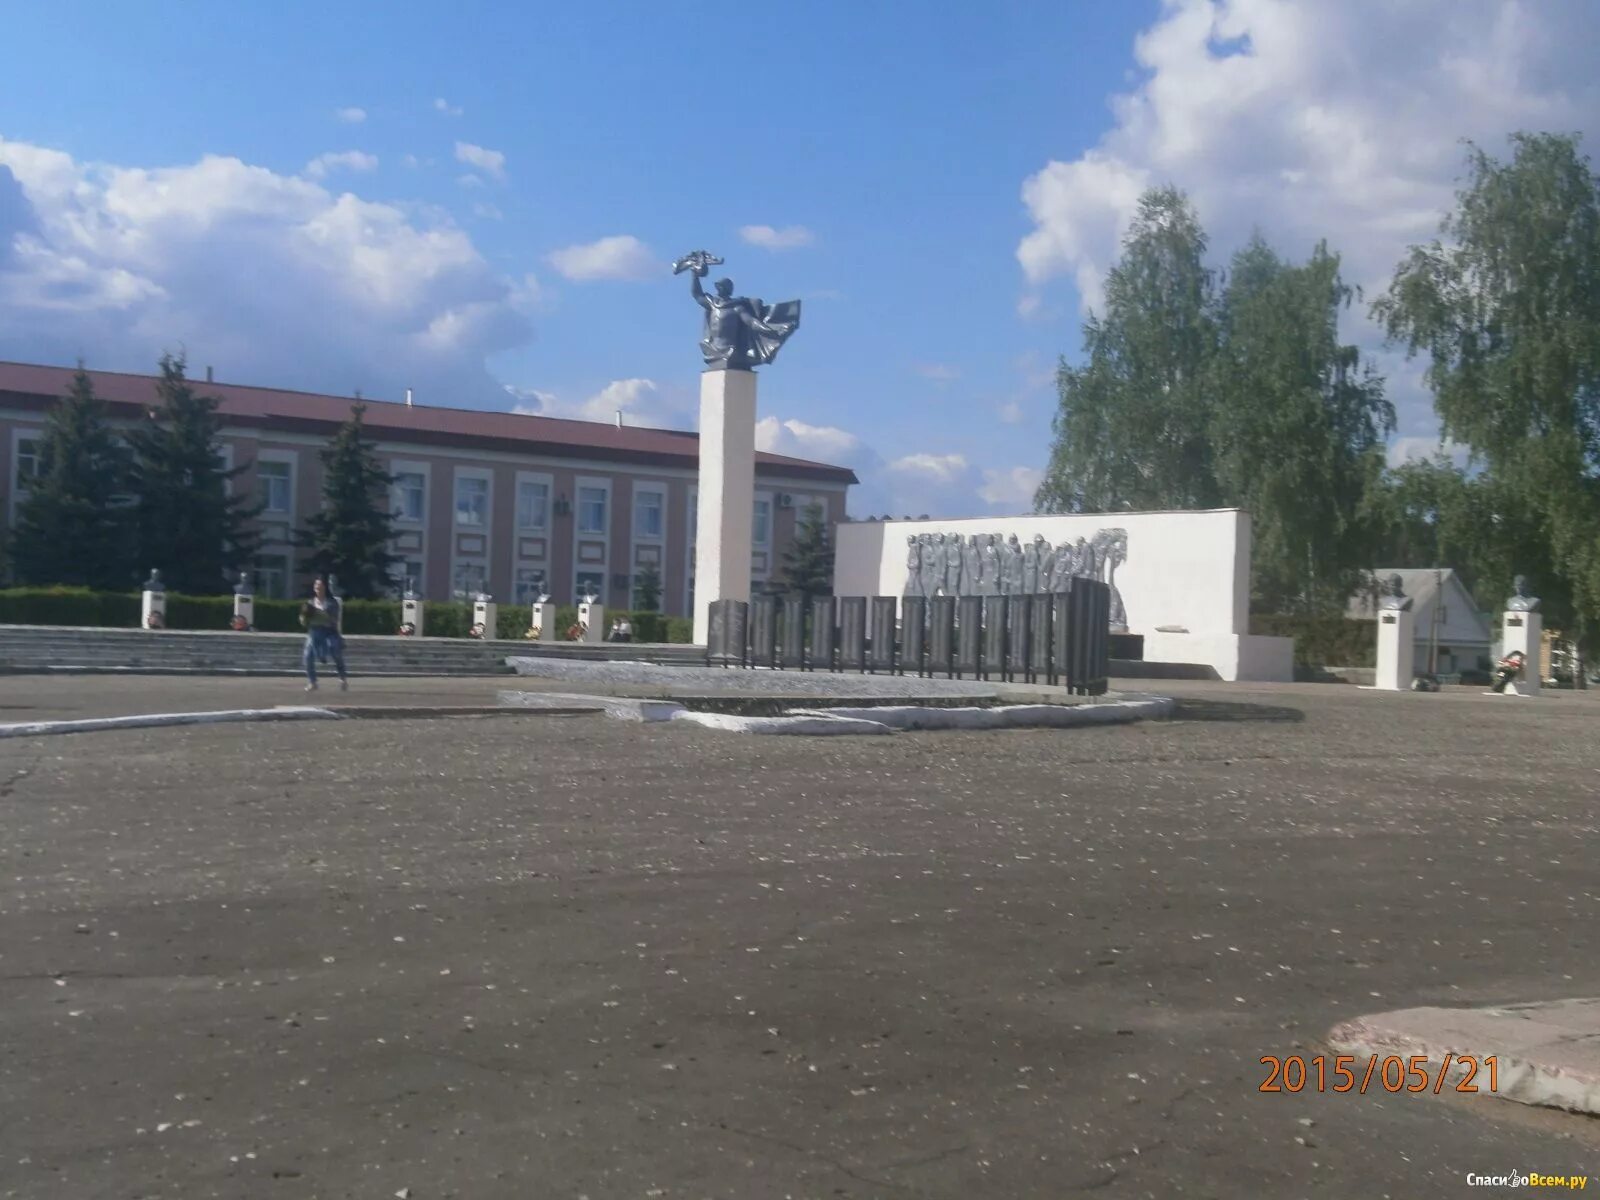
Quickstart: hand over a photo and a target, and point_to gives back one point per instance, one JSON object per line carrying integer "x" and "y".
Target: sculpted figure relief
{"x": 993, "y": 564}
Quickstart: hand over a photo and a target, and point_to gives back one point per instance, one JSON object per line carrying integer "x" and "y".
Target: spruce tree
{"x": 188, "y": 524}
{"x": 808, "y": 563}
{"x": 647, "y": 587}
{"x": 74, "y": 522}
{"x": 350, "y": 536}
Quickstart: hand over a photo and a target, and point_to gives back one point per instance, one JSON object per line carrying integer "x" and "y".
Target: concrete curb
{"x": 1010, "y": 716}
{"x": 151, "y": 720}
{"x": 1545, "y": 1054}
{"x": 813, "y": 725}
{"x": 623, "y": 708}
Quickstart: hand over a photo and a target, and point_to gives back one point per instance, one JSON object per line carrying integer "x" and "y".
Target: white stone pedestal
{"x": 592, "y": 616}
{"x": 1396, "y": 650}
{"x": 727, "y": 490}
{"x": 485, "y": 612}
{"x": 543, "y": 619}
{"x": 1524, "y": 631}
{"x": 244, "y": 607}
{"x": 153, "y": 603}
{"x": 411, "y": 610}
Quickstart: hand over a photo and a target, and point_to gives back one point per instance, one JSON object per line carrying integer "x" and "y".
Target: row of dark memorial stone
{"x": 1056, "y": 638}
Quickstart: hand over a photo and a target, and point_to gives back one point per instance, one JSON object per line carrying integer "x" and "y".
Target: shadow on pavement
{"x": 1233, "y": 710}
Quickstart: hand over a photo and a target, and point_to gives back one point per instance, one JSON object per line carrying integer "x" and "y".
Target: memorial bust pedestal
{"x": 1396, "y": 640}
{"x": 1522, "y": 630}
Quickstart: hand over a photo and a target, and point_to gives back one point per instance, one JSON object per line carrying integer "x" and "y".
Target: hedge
{"x": 1322, "y": 641}
{"x": 80, "y": 606}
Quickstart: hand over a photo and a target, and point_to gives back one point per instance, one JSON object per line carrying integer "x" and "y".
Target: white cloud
{"x": 1010, "y": 413}
{"x": 1011, "y": 489}
{"x": 1417, "y": 449}
{"x": 766, "y": 236}
{"x": 490, "y": 162}
{"x": 352, "y": 115}
{"x": 448, "y": 109}
{"x": 620, "y": 257}
{"x": 271, "y": 278}
{"x": 938, "y": 372}
{"x": 637, "y": 399}
{"x": 470, "y": 181}
{"x": 1312, "y": 120}
{"x": 344, "y": 160}
{"x": 939, "y": 468}
{"x": 488, "y": 212}
{"x": 410, "y": 160}
{"x": 823, "y": 443}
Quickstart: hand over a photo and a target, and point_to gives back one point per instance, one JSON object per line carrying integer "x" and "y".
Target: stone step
{"x": 44, "y": 649}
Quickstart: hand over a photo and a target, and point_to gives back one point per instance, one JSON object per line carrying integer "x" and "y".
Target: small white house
{"x": 1445, "y": 611}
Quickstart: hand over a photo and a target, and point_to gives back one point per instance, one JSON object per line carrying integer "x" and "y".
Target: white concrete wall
{"x": 1188, "y": 569}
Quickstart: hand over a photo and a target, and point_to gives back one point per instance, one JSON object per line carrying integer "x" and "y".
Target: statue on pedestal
{"x": 740, "y": 333}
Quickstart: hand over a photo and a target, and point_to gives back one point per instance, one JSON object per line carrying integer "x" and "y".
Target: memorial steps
{"x": 40, "y": 649}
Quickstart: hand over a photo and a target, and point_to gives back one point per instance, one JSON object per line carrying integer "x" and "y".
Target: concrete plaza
{"x": 566, "y": 956}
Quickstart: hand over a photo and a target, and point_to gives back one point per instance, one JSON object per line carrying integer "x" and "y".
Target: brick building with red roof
{"x": 508, "y": 503}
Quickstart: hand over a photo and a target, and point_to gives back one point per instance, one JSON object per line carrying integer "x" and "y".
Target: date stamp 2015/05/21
{"x": 1341, "y": 1073}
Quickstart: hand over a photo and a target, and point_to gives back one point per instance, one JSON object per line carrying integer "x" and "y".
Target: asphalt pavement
{"x": 575, "y": 957}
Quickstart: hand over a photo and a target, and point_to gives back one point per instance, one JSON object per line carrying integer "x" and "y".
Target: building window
{"x": 273, "y": 480}
{"x": 591, "y": 510}
{"x": 410, "y": 496}
{"x": 27, "y": 463}
{"x": 272, "y": 577}
{"x": 472, "y": 502}
{"x": 470, "y": 580}
{"x": 590, "y": 583}
{"x": 647, "y": 510}
{"x": 407, "y": 573}
{"x": 761, "y": 526}
{"x": 694, "y": 517}
{"x": 530, "y": 584}
{"x": 533, "y": 505}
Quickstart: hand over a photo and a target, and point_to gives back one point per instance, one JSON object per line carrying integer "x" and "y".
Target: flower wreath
{"x": 477, "y": 631}
{"x": 577, "y": 631}
{"x": 238, "y": 624}
{"x": 155, "y": 621}
{"x": 534, "y": 633}
{"x": 407, "y": 629}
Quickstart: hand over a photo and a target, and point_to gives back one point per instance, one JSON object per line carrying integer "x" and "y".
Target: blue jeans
{"x": 323, "y": 643}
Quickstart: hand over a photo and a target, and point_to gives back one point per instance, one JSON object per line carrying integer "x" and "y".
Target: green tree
{"x": 350, "y": 536}
{"x": 808, "y": 561}
{"x": 73, "y": 525}
{"x": 1132, "y": 429}
{"x": 188, "y": 523}
{"x": 1507, "y": 310}
{"x": 647, "y": 588}
{"x": 1297, "y": 426}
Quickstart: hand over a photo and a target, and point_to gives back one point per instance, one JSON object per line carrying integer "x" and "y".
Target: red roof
{"x": 269, "y": 409}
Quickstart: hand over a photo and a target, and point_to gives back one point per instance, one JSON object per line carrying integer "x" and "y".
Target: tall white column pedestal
{"x": 727, "y": 492}
{"x": 1396, "y": 650}
{"x": 592, "y": 616}
{"x": 1524, "y": 631}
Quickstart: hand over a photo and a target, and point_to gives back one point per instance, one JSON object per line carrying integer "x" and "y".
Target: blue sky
{"x": 480, "y": 202}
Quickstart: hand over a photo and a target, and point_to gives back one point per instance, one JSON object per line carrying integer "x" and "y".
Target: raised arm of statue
{"x": 698, "y": 292}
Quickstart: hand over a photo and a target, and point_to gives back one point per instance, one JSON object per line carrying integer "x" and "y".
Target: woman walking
{"x": 320, "y": 616}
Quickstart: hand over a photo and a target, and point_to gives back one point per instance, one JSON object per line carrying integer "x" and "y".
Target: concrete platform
{"x": 1545, "y": 1054}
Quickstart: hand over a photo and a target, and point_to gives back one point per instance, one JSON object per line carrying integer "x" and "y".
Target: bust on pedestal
{"x": 1521, "y": 630}
{"x": 411, "y": 612}
{"x": 592, "y": 616}
{"x": 153, "y": 603}
{"x": 1396, "y": 634}
{"x": 485, "y": 615}
{"x": 244, "y": 603}
{"x": 543, "y": 619}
